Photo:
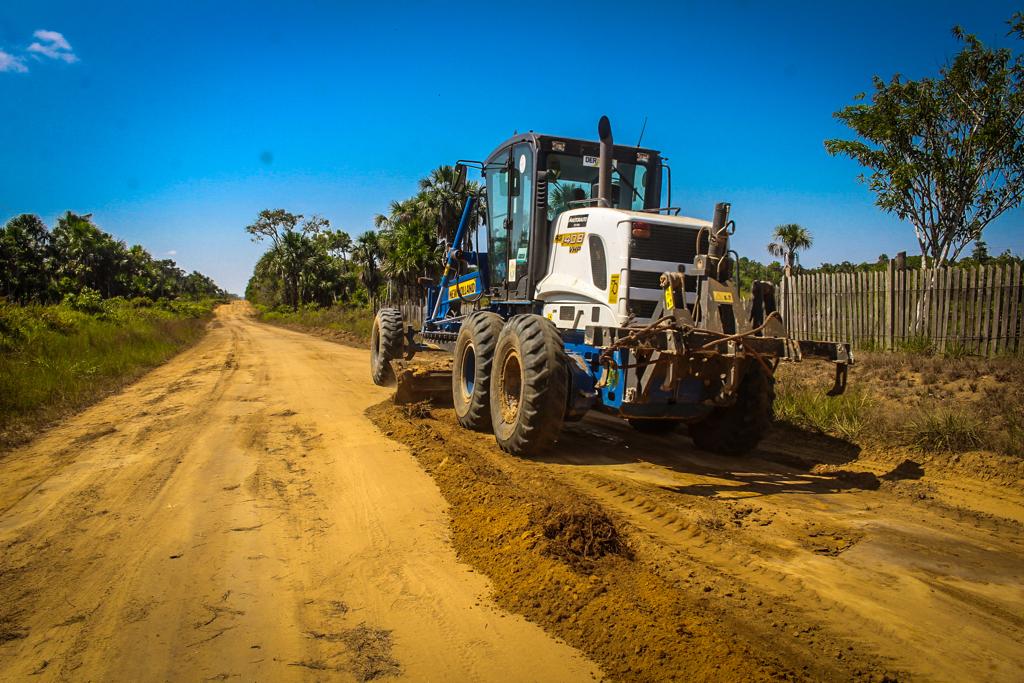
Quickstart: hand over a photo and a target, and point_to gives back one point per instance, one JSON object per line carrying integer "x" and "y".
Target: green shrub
{"x": 916, "y": 345}
{"x": 946, "y": 431}
{"x": 87, "y": 301}
{"x": 956, "y": 351}
{"x": 847, "y": 416}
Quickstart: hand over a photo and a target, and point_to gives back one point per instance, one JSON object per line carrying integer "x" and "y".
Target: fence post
{"x": 888, "y": 313}
{"x": 995, "y": 346}
{"x": 1015, "y": 329}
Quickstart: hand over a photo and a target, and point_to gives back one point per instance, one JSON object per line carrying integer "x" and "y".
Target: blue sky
{"x": 174, "y": 124}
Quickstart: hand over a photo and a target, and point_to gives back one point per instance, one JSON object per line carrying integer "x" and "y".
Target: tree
{"x": 980, "y": 253}
{"x": 440, "y": 204}
{"x": 790, "y": 238}
{"x": 367, "y": 254}
{"x": 26, "y": 260}
{"x": 946, "y": 153}
{"x": 293, "y": 248}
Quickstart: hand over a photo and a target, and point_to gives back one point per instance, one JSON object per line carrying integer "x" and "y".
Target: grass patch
{"x": 917, "y": 345}
{"x": 56, "y": 359}
{"x": 847, "y": 416}
{"x": 946, "y": 431}
{"x": 355, "y": 321}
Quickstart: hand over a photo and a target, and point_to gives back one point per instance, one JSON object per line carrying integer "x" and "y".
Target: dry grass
{"x": 928, "y": 401}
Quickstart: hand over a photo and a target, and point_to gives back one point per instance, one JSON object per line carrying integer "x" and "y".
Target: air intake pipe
{"x": 604, "y": 163}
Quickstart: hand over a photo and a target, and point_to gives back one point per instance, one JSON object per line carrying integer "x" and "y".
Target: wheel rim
{"x": 511, "y": 393}
{"x": 468, "y": 372}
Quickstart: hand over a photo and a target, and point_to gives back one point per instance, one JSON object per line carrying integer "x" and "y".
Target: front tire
{"x": 529, "y": 385}
{"x": 387, "y": 342}
{"x": 471, "y": 371}
{"x": 737, "y": 429}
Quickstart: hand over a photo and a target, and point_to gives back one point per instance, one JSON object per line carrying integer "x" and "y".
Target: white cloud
{"x": 172, "y": 252}
{"x": 12, "y": 64}
{"x": 53, "y": 45}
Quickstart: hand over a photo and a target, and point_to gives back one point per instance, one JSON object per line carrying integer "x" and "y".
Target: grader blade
{"x": 423, "y": 379}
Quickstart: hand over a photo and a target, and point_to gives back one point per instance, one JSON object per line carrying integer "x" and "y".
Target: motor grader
{"x": 582, "y": 291}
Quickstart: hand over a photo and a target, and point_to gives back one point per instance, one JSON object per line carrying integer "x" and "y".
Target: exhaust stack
{"x": 604, "y": 163}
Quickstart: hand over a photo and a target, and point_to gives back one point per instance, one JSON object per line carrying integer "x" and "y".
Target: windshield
{"x": 574, "y": 178}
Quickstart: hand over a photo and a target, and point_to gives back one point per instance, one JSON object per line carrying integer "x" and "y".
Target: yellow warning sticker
{"x": 463, "y": 288}
{"x": 670, "y": 300}
{"x": 722, "y": 297}
{"x": 613, "y": 289}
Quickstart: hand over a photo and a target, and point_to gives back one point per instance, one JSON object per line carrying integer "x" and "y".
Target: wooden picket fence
{"x": 412, "y": 311}
{"x": 974, "y": 310}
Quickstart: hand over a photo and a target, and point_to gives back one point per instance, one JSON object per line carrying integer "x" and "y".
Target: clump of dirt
{"x": 559, "y": 558}
{"x": 580, "y": 533}
{"x": 416, "y": 411}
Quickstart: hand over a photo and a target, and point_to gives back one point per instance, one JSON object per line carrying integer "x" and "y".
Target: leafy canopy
{"x": 945, "y": 153}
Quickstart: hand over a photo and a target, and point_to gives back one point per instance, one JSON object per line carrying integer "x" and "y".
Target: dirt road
{"x": 234, "y": 514}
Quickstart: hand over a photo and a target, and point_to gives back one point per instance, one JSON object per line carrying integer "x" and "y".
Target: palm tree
{"x": 789, "y": 239}
{"x": 559, "y": 198}
{"x": 439, "y": 203}
{"x": 367, "y": 254}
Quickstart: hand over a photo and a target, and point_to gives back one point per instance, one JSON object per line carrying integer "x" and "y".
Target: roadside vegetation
{"x": 351, "y": 323}
{"x": 81, "y": 314}
{"x": 918, "y": 400}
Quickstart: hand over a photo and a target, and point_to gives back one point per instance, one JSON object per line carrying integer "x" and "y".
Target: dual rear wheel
{"x": 511, "y": 378}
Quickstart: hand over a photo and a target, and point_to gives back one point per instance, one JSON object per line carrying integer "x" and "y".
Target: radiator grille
{"x": 669, "y": 243}
{"x": 666, "y": 243}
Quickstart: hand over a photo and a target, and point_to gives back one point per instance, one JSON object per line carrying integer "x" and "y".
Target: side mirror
{"x": 460, "y": 177}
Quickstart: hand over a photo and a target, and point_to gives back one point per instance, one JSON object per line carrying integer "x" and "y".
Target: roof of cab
{"x": 537, "y": 137}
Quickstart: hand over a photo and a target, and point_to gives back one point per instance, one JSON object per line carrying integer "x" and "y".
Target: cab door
{"x": 522, "y": 184}
{"x": 498, "y": 171}
{"x": 510, "y": 188}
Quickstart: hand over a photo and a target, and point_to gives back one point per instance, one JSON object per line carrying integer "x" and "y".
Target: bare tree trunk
{"x": 929, "y": 278}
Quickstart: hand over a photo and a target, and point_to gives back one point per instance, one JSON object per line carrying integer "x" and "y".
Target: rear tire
{"x": 471, "y": 370}
{"x": 387, "y": 341}
{"x": 737, "y": 429}
{"x": 529, "y": 385}
{"x": 654, "y": 426}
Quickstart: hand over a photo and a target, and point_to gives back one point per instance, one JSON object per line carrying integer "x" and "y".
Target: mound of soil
{"x": 580, "y": 533}
{"x": 560, "y": 559}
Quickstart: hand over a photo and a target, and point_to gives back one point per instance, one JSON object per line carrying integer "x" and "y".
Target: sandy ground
{"x": 916, "y": 560}
{"x": 235, "y": 515}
